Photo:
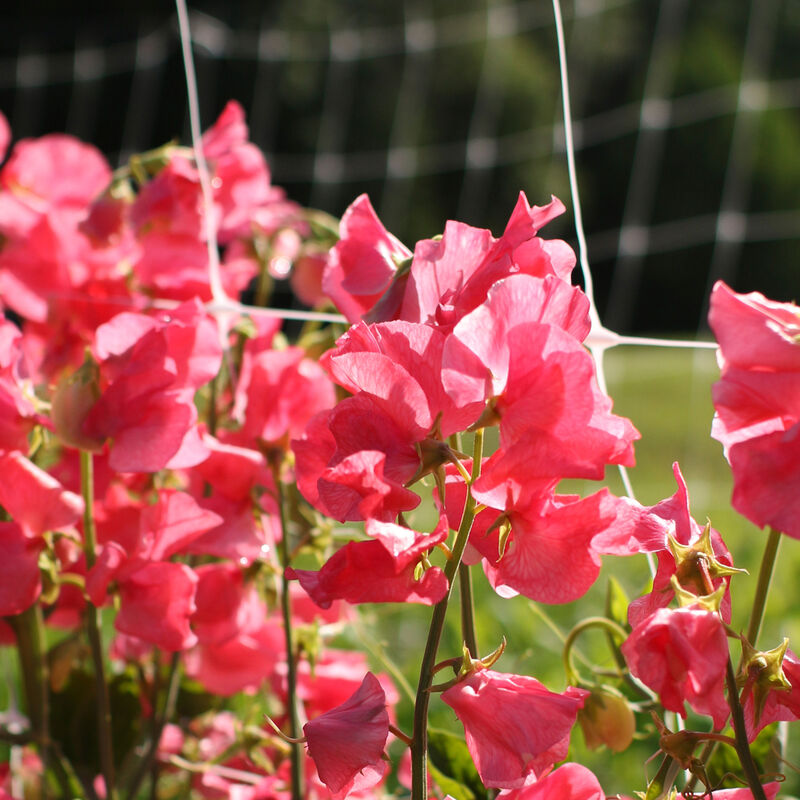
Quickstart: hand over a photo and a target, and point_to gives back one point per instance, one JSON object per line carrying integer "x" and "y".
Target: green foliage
{"x": 451, "y": 766}
{"x": 73, "y": 714}
{"x": 724, "y": 766}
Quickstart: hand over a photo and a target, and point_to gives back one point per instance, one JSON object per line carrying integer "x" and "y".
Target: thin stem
{"x": 403, "y": 737}
{"x": 159, "y": 723}
{"x": 291, "y": 664}
{"x": 93, "y": 629}
{"x": 419, "y": 745}
{"x": 762, "y": 588}
{"x": 237, "y": 775}
{"x": 592, "y": 622}
{"x": 742, "y": 745}
{"x": 756, "y": 616}
{"x": 467, "y": 609}
{"x": 31, "y": 646}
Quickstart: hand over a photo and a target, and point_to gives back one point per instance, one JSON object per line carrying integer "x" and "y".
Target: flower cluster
{"x": 218, "y": 500}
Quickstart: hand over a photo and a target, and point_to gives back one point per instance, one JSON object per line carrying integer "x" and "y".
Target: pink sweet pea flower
{"x": 18, "y": 415}
{"x": 278, "y": 392}
{"x": 569, "y": 782}
{"x": 354, "y": 460}
{"x": 478, "y": 354}
{"x": 400, "y": 363}
{"x": 231, "y": 470}
{"x": 240, "y": 176}
{"x": 34, "y": 498}
{"x": 363, "y": 262}
{"x": 150, "y": 368}
{"x": 347, "y": 742}
{"x": 225, "y": 606}
{"x": 681, "y": 654}
{"x": 335, "y": 675}
{"x": 757, "y": 401}
{"x": 241, "y": 663}
{"x": 366, "y": 572}
{"x": 516, "y": 728}
{"x": 779, "y": 704}
{"x": 686, "y": 532}
{"x": 55, "y": 174}
{"x": 157, "y": 598}
{"x": 20, "y": 579}
{"x": 157, "y": 602}
{"x": 451, "y": 276}
{"x": 552, "y": 549}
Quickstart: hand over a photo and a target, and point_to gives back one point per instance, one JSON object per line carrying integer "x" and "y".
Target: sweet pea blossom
{"x": 757, "y": 401}
{"x": 347, "y": 742}
{"x": 681, "y": 654}
{"x": 774, "y": 694}
{"x": 568, "y": 782}
{"x": 362, "y": 263}
{"x": 451, "y": 276}
{"x": 150, "y": 368}
{"x": 551, "y": 547}
{"x": 20, "y": 579}
{"x": 366, "y": 572}
{"x": 516, "y": 728}
{"x": 688, "y": 533}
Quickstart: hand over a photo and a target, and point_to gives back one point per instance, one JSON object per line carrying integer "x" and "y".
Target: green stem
{"x": 28, "y": 628}
{"x": 754, "y": 627}
{"x": 467, "y": 609}
{"x": 742, "y": 745}
{"x": 148, "y": 759}
{"x": 592, "y": 622}
{"x": 31, "y": 647}
{"x": 419, "y": 746}
{"x": 762, "y": 588}
{"x": 93, "y": 628}
{"x": 291, "y": 663}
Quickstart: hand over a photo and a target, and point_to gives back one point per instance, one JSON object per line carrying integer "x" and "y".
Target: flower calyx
{"x": 761, "y": 672}
{"x": 469, "y": 665}
{"x": 708, "y": 602}
{"x": 697, "y": 563}
{"x": 434, "y": 453}
{"x": 489, "y": 417}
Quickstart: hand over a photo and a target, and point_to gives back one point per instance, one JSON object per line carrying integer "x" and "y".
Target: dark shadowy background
{"x": 688, "y": 132}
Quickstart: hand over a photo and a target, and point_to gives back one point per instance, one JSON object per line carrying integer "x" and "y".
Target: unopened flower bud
{"x": 607, "y": 719}
{"x": 72, "y": 401}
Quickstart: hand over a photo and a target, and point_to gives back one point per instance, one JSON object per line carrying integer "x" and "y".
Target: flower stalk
{"x": 93, "y": 630}
{"x": 291, "y": 662}
{"x": 419, "y": 746}
{"x": 762, "y": 587}
{"x": 31, "y": 646}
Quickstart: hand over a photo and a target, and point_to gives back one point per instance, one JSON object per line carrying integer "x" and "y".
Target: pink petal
{"x": 349, "y": 740}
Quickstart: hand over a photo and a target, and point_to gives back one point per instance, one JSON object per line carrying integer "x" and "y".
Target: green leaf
{"x": 617, "y": 611}
{"x": 73, "y": 718}
{"x": 452, "y": 767}
{"x": 616, "y": 602}
{"x": 660, "y": 786}
{"x": 449, "y": 786}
